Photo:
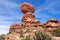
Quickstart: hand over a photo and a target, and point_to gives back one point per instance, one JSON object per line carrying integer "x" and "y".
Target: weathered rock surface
{"x": 52, "y": 24}
{"x": 15, "y": 27}
{"x": 12, "y": 36}
{"x": 26, "y": 7}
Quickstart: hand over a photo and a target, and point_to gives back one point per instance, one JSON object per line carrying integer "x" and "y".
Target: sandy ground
{"x": 56, "y": 38}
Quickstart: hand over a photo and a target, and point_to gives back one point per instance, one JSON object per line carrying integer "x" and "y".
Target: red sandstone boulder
{"x": 26, "y": 7}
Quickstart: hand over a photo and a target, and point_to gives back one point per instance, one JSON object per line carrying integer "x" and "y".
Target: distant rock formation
{"x": 28, "y": 18}
{"x": 52, "y": 24}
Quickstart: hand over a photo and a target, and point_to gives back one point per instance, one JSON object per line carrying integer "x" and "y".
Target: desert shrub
{"x": 28, "y": 30}
{"x": 2, "y": 37}
{"x": 21, "y": 34}
{"x": 56, "y": 32}
{"x": 41, "y": 36}
{"x": 14, "y": 30}
{"x": 27, "y": 38}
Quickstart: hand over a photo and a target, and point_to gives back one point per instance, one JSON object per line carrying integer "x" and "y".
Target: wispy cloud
{"x": 9, "y": 14}
{"x": 8, "y": 4}
{"x": 45, "y": 12}
{"x": 50, "y": 6}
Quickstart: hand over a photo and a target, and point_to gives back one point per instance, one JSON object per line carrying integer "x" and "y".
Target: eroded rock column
{"x": 29, "y": 17}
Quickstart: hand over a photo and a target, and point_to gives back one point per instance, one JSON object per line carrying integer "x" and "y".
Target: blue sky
{"x": 10, "y": 12}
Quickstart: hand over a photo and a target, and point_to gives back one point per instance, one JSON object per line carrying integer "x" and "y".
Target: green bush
{"x": 28, "y": 30}
{"x": 41, "y": 36}
{"x": 21, "y": 34}
{"x": 14, "y": 30}
{"x": 2, "y": 37}
{"x": 56, "y": 32}
{"x": 27, "y": 38}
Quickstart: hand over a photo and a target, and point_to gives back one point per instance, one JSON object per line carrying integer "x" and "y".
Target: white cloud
{"x": 48, "y": 7}
{"x": 4, "y": 29}
{"x": 8, "y": 7}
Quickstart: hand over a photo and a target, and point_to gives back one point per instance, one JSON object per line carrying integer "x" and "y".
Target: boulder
{"x": 26, "y": 7}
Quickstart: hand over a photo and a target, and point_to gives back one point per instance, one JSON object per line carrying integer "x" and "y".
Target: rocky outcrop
{"x": 52, "y": 24}
{"x": 15, "y": 28}
{"x": 12, "y": 36}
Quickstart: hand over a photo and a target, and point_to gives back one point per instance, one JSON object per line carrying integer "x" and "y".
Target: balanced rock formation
{"x": 28, "y": 18}
{"x": 15, "y": 28}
